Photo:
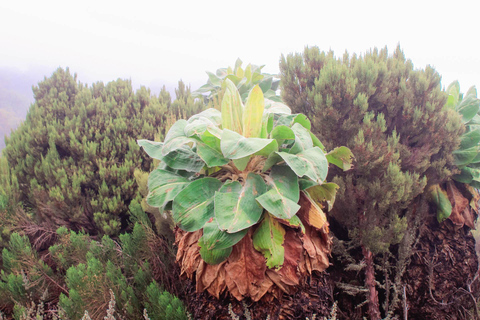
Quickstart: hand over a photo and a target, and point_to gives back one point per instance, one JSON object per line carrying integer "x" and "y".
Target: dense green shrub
{"x": 75, "y": 154}
{"x": 393, "y": 118}
{"x": 80, "y": 272}
{"x": 24, "y": 276}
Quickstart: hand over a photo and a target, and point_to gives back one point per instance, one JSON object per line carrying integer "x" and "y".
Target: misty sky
{"x": 160, "y": 42}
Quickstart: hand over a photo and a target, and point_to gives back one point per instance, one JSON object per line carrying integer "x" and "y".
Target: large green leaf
{"x": 184, "y": 159}
{"x": 317, "y": 142}
{"x": 341, "y": 157}
{"x": 282, "y": 198}
{"x": 194, "y": 206}
{"x": 210, "y": 114}
{"x": 211, "y": 137}
{"x": 323, "y": 192}
{"x": 471, "y": 91}
{"x": 306, "y": 183}
{"x": 164, "y": 186}
{"x": 253, "y": 113}
{"x": 469, "y": 139}
{"x": 282, "y": 133}
{"x": 242, "y": 163}
{"x": 216, "y": 81}
{"x": 266, "y": 84}
{"x": 465, "y": 176}
{"x": 303, "y": 140}
{"x": 276, "y": 107}
{"x": 311, "y": 163}
{"x": 176, "y": 138}
{"x": 214, "y": 238}
{"x": 453, "y": 91}
{"x": 235, "y": 146}
{"x": 152, "y": 148}
{"x": 232, "y": 108}
{"x": 196, "y": 127}
{"x": 468, "y": 108}
{"x": 209, "y": 155}
{"x": 468, "y": 175}
{"x": 272, "y": 160}
{"x": 463, "y": 157}
{"x": 290, "y": 119}
{"x": 293, "y": 222}
{"x": 213, "y": 256}
{"x": 268, "y": 239}
{"x": 440, "y": 198}
{"x": 235, "y": 205}
{"x": 475, "y": 122}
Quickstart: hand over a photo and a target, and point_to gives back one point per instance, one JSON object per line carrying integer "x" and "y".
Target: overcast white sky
{"x": 160, "y": 42}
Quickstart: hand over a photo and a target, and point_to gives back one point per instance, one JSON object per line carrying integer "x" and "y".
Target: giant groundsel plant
{"x": 240, "y": 176}
{"x": 449, "y": 198}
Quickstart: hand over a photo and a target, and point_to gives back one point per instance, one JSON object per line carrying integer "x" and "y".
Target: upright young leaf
{"x": 232, "y": 108}
{"x": 253, "y": 113}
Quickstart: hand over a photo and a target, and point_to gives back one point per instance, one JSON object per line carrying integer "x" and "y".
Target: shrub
{"x": 75, "y": 155}
{"x": 394, "y": 120}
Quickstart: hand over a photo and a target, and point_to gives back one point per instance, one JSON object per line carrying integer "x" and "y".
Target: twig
{"x": 431, "y": 266}
{"x": 405, "y": 304}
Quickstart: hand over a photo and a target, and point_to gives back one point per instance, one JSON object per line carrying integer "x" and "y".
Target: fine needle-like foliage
{"x": 247, "y": 184}
{"x": 393, "y": 118}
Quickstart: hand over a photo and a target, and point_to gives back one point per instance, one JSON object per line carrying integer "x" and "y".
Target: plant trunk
{"x": 373, "y": 308}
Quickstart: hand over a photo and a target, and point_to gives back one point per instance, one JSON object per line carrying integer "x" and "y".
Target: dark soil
{"x": 313, "y": 297}
{"x": 442, "y": 280}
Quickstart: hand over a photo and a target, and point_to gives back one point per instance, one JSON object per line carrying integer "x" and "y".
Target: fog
{"x": 161, "y": 43}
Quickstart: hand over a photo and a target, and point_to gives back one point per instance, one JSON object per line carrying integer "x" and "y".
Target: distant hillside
{"x": 15, "y": 97}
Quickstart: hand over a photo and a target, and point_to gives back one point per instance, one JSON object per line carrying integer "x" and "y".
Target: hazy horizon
{"x": 159, "y": 44}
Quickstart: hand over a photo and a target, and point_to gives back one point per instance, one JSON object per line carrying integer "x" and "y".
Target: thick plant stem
{"x": 373, "y": 308}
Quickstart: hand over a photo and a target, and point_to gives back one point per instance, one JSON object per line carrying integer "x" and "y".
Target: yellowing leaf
{"x": 311, "y": 211}
{"x": 253, "y": 113}
{"x": 342, "y": 157}
{"x": 324, "y": 192}
{"x": 232, "y": 108}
